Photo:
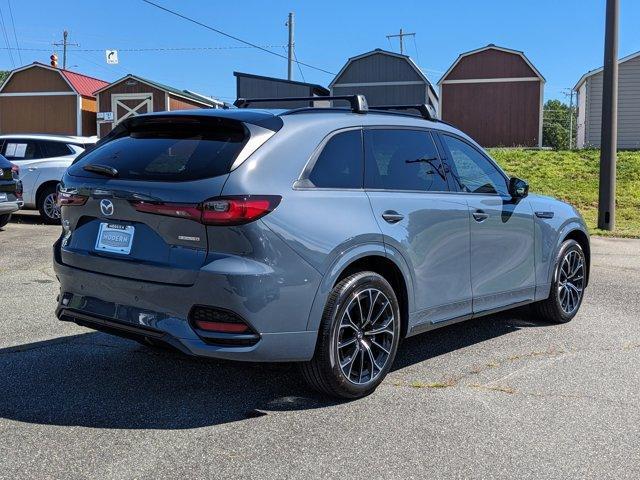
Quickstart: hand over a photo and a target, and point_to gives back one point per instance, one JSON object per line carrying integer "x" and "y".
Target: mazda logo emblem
{"x": 106, "y": 207}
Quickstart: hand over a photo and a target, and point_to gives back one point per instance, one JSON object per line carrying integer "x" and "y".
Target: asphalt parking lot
{"x": 502, "y": 397}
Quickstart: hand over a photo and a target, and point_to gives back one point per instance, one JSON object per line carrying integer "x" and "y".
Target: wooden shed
{"x": 133, "y": 95}
{"x": 589, "y": 89}
{"x": 495, "y": 95}
{"x": 385, "y": 78}
{"x": 38, "y": 98}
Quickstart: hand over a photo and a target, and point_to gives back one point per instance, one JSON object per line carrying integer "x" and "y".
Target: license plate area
{"x": 115, "y": 238}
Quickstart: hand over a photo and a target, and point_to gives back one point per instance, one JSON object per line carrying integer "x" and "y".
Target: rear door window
{"x": 402, "y": 159}
{"x": 19, "y": 149}
{"x": 341, "y": 162}
{"x": 55, "y": 149}
{"x": 168, "y": 149}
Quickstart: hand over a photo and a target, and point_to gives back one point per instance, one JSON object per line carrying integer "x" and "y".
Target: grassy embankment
{"x": 572, "y": 176}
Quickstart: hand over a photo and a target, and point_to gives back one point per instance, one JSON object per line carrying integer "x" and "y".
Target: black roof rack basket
{"x": 426, "y": 111}
{"x": 358, "y": 103}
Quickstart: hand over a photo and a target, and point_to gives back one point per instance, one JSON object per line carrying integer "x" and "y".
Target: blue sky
{"x": 563, "y": 38}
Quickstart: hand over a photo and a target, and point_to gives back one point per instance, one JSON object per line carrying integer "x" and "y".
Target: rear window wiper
{"x": 101, "y": 170}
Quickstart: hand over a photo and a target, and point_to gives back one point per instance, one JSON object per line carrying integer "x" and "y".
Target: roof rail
{"x": 426, "y": 111}
{"x": 358, "y": 102}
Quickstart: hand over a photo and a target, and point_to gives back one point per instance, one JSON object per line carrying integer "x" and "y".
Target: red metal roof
{"x": 83, "y": 84}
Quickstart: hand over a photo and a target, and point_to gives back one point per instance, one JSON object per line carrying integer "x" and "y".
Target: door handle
{"x": 391, "y": 216}
{"x": 480, "y": 216}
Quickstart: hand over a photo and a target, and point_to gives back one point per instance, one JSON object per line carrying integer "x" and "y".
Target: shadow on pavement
{"x": 30, "y": 217}
{"x": 99, "y": 381}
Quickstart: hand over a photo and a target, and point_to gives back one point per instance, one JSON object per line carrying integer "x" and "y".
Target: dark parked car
{"x": 10, "y": 190}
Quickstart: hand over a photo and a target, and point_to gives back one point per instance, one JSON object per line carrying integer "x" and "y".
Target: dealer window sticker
{"x": 21, "y": 149}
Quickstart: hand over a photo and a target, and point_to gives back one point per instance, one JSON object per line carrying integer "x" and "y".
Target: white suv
{"x": 43, "y": 160}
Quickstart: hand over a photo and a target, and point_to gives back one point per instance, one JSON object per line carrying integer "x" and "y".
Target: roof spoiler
{"x": 358, "y": 103}
{"x": 425, "y": 111}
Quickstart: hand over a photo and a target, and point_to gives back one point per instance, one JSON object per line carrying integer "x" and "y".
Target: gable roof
{"x": 491, "y": 46}
{"x": 317, "y": 89}
{"x": 379, "y": 51}
{"x": 595, "y": 71}
{"x": 83, "y": 85}
{"x": 203, "y": 100}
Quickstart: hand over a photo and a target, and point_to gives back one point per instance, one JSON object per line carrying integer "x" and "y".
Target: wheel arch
{"x": 373, "y": 258}
{"x": 386, "y": 268}
{"x": 42, "y": 187}
{"x": 583, "y": 240}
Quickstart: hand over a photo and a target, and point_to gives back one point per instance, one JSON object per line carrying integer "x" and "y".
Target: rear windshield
{"x": 168, "y": 149}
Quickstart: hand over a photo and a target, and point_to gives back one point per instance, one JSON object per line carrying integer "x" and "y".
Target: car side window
{"x": 18, "y": 149}
{"x": 402, "y": 159}
{"x": 55, "y": 149}
{"x": 471, "y": 170}
{"x": 340, "y": 164}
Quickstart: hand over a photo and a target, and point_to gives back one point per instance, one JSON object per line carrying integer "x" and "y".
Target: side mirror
{"x": 518, "y": 188}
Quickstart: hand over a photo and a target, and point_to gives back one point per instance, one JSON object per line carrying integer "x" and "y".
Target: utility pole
{"x": 290, "y": 24}
{"x": 570, "y": 119}
{"x": 65, "y": 43}
{"x": 609, "y": 135}
{"x": 401, "y": 35}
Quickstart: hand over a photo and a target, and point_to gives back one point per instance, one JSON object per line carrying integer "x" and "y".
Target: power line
{"x": 15, "y": 35}
{"x": 237, "y": 39}
{"x": 415, "y": 46}
{"x": 143, "y": 49}
{"x": 295, "y": 56}
{"x": 6, "y": 38}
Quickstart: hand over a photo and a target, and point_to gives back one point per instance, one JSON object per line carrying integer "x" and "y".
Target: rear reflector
{"x": 211, "y": 319}
{"x": 221, "y": 327}
{"x": 236, "y": 210}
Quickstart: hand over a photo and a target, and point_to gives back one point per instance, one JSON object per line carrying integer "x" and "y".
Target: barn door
{"x": 127, "y": 105}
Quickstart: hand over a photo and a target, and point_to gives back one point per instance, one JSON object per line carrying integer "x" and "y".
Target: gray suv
{"x": 315, "y": 235}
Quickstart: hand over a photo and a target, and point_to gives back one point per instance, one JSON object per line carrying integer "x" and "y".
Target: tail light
{"x": 19, "y": 190}
{"x": 236, "y": 210}
{"x": 67, "y": 199}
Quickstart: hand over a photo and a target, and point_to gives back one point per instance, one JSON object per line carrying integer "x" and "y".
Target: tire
{"x": 47, "y": 211}
{"x": 355, "y": 368}
{"x": 4, "y": 219}
{"x": 559, "y": 307}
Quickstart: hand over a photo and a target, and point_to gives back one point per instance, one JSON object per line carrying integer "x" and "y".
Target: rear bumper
{"x": 9, "y": 207}
{"x": 276, "y": 308}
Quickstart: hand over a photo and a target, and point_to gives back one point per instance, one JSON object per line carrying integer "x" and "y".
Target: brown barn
{"x": 495, "y": 95}
{"x": 133, "y": 95}
{"x": 38, "y": 98}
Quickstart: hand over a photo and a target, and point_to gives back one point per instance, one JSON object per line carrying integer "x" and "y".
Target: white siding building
{"x": 589, "y": 89}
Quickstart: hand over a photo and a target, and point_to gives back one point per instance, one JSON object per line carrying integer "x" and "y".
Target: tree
{"x": 558, "y": 120}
